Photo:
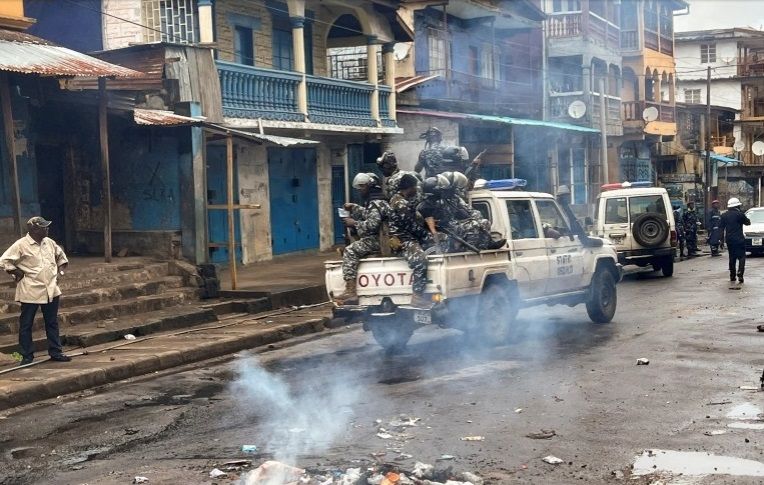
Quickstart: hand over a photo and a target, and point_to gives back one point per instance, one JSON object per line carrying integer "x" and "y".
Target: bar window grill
{"x": 170, "y": 21}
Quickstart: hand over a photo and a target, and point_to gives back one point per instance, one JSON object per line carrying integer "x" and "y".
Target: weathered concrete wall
{"x": 325, "y": 210}
{"x": 253, "y": 189}
{"x": 116, "y": 32}
{"x": 408, "y": 145}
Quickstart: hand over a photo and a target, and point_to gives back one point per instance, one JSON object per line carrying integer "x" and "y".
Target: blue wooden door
{"x": 217, "y": 220}
{"x": 294, "y": 199}
{"x": 338, "y": 200}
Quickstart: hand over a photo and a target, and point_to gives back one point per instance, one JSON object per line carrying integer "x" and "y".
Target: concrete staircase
{"x": 102, "y": 302}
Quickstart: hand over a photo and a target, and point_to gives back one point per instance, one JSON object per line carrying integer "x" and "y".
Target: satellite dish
{"x": 739, "y": 146}
{"x": 650, "y": 114}
{"x": 577, "y": 109}
{"x": 758, "y": 148}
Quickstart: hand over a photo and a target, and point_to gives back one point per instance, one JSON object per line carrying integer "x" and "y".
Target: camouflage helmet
{"x": 456, "y": 180}
{"x": 431, "y": 133}
{"x": 456, "y": 153}
{"x": 364, "y": 179}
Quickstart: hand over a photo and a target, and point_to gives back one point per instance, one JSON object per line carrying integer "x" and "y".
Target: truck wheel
{"x": 392, "y": 334}
{"x": 650, "y": 230}
{"x": 603, "y": 297}
{"x": 496, "y": 314}
{"x": 667, "y": 266}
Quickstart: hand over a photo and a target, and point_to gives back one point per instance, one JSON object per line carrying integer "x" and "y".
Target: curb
{"x": 105, "y": 372}
{"x": 281, "y": 299}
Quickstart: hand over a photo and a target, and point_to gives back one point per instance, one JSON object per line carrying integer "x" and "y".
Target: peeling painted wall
{"x": 253, "y": 189}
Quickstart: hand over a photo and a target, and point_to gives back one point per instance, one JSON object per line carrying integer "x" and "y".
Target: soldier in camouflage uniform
{"x": 679, "y": 227}
{"x": 431, "y": 158}
{"x": 367, "y": 221}
{"x": 408, "y": 233}
{"x": 388, "y": 164}
{"x": 690, "y": 221}
{"x": 443, "y": 208}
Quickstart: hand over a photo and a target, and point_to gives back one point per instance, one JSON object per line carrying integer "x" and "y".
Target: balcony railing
{"x": 632, "y": 111}
{"x": 564, "y": 25}
{"x": 254, "y": 92}
{"x": 613, "y": 108}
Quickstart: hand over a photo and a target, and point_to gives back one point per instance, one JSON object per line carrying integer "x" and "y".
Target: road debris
{"x": 473, "y": 438}
{"x": 719, "y": 403}
{"x": 446, "y": 457}
{"x": 552, "y": 460}
{"x": 422, "y": 470}
{"x": 643, "y": 361}
{"x": 249, "y": 449}
{"x": 140, "y": 480}
{"x": 544, "y": 434}
{"x": 749, "y": 388}
{"x": 217, "y": 473}
{"x": 760, "y": 328}
{"x": 617, "y": 474}
{"x": 404, "y": 421}
{"x": 715, "y": 432}
{"x": 273, "y": 472}
{"x": 519, "y": 410}
{"x": 384, "y": 436}
{"x": 129, "y": 336}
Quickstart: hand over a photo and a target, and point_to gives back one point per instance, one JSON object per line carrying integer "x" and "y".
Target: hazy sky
{"x": 720, "y": 14}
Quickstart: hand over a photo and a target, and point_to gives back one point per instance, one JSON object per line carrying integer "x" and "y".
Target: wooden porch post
{"x": 10, "y": 150}
{"x": 103, "y": 129}
{"x": 229, "y": 209}
{"x": 372, "y": 77}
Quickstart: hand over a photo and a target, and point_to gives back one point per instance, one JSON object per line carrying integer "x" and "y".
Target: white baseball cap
{"x": 734, "y": 202}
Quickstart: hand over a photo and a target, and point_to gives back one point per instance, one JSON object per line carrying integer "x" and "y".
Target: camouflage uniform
{"x": 714, "y": 232}
{"x": 392, "y": 183}
{"x": 454, "y": 214}
{"x": 369, "y": 219}
{"x": 679, "y": 231}
{"x": 407, "y": 232}
{"x": 431, "y": 159}
{"x": 690, "y": 220}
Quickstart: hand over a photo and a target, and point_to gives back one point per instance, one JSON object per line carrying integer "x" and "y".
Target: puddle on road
{"x": 694, "y": 464}
{"x": 746, "y": 411}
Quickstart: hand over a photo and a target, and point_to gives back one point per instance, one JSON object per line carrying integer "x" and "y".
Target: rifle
{"x": 460, "y": 240}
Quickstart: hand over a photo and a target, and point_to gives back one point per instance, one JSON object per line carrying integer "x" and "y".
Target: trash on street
{"x": 274, "y": 473}
{"x": 544, "y": 434}
{"x": 129, "y": 336}
{"x": 249, "y": 448}
{"x": 473, "y": 438}
{"x": 643, "y": 361}
{"x": 422, "y": 470}
{"x": 446, "y": 457}
{"x": 140, "y": 480}
{"x": 552, "y": 460}
{"x": 217, "y": 473}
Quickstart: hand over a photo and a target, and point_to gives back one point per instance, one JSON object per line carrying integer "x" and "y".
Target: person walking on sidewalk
{"x": 35, "y": 262}
{"x": 731, "y": 228}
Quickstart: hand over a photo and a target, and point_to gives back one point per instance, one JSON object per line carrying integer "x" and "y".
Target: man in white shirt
{"x": 35, "y": 262}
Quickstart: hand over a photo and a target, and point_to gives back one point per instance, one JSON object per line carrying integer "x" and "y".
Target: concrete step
{"x": 94, "y": 296}
{"x": 100, "y": 277}
{"x": 115, "y": 329}
{"x": 104, "y": 311}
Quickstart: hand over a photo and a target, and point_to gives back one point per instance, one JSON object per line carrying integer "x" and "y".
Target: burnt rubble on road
{"x": 276, "y": 473}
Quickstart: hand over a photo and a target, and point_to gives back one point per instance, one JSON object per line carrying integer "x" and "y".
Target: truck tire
{"x": 650, "y": 230}
{"x": 392, "y": 334}
{"x": 603, "y": 297}
{"x": 667, "y": 266}
{"x": 496, "y": 314}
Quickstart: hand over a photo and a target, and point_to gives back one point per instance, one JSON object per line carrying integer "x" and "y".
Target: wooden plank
{"x": 103, "y": 130}
{"x": 10, "y": 150}
{"x": 231, "y": 227}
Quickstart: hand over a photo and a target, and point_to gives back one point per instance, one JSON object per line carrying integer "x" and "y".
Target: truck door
{"x": 614, "y": 214}
{"x": 566, "y": 256}
{"x": 529, "y": 251}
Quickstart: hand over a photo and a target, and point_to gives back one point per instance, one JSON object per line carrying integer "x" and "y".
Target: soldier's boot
{"x": 732, "y": 276}
{"x": 419, "y": 301}
{"x": 350, "y": 296}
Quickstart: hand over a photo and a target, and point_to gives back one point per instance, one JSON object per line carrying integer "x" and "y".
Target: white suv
{"x": 640, "y": 222}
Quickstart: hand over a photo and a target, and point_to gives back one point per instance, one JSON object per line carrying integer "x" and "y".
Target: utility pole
{"x": 603, "y": 134}
{"x": 708, "y": 171}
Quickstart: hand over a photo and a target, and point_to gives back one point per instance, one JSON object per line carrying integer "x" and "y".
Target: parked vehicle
{"x": 754, "y": 234}
{"x": 638, "y": 219}
{"x": 546, "y": 261}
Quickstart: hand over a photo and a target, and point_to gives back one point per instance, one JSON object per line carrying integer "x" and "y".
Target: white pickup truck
{"x": 547, "y": 261}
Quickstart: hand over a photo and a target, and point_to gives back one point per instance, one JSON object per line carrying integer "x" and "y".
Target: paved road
{"x": 316, "y": 400}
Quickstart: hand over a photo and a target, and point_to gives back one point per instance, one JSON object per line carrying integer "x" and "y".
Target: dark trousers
{"x": 737, "y": 258}
{"x": 50, "y": 315}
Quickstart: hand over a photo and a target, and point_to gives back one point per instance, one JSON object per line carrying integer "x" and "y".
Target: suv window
{"x": 552, "y": 217}
{"x": 646, "y": 203}
{"x": 522, "y": 222}
{"x": 616, "y": 211}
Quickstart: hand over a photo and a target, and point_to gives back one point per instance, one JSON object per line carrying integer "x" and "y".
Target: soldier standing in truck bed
{"x": 388, "y": 164}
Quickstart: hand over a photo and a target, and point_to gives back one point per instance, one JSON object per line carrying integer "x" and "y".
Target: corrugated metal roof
{"x": 155, "y": 117}
{"x": 27, "y": 54}
{"x": 502, "y": 119}
{"x": 403, "y": 84}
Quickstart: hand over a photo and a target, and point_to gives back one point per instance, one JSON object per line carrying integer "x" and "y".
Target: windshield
{"x": 756, "y": 217}
{"x": 646, "y": 203}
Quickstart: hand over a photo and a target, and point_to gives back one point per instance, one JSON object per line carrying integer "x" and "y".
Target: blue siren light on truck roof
{"x": 627, "y": 185}
{"x": 501, "y": 184}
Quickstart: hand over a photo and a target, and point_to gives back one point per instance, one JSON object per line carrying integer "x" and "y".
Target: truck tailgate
{"x": 452, "y": 275}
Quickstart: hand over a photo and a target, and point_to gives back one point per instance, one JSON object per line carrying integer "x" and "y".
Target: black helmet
{"x": 456, "y": 154}
{"x": 431, "y": 133}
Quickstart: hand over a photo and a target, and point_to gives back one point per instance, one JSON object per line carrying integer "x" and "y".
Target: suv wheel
{"x": 603, "y": 297}
{"x": 650, "y": 230}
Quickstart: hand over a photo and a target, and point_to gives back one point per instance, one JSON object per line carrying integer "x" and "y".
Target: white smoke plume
{"x": 294, "y": 420}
